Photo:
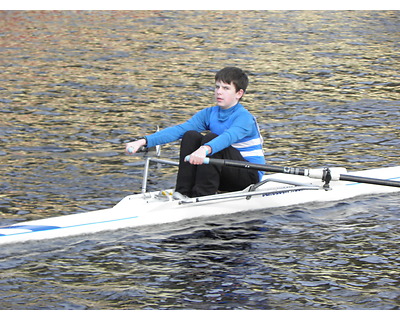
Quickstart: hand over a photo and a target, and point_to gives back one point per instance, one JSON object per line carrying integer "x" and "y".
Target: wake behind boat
{"x": 290, "y": 186}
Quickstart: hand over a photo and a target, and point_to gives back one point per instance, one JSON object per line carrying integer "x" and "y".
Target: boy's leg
{"x": 207, "y": 176}
{"x": 235, "y": 179}
{"x": 185, "y": 180}
{"x": 211, "y": 178}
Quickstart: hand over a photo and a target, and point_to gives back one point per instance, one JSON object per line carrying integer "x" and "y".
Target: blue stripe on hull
{"x": 37, "y": 228}
{"x": 31, "y": 228}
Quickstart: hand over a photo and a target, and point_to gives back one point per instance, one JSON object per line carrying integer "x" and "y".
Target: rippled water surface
{"x": 74, "y": 86}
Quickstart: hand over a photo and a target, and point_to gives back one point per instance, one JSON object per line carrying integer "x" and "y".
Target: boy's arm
{"x": 197, "y": 122}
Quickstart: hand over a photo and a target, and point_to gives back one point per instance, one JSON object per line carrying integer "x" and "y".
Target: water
{"x": 75, "y": 86}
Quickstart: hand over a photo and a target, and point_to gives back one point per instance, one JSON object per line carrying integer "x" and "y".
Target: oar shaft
{"x": 256, "y": 166}
{"x": 382, "y": 182}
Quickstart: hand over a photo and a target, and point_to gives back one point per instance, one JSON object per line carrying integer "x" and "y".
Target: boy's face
{"x": 226, "y": 95}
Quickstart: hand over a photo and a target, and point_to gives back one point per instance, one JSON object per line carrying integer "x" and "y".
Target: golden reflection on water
{"x": 76, "y": 84}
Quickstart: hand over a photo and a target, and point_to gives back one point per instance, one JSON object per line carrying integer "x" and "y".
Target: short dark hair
{"x": 233, "y": 75}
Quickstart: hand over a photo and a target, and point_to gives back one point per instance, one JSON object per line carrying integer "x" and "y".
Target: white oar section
{"x": 321, "y": 173}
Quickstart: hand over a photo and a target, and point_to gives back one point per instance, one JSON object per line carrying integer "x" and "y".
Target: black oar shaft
{"x": 256, "y": 166}
{"x": 382, "y": 182}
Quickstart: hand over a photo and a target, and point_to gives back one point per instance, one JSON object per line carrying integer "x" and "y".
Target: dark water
{"x": 75, "y": 86}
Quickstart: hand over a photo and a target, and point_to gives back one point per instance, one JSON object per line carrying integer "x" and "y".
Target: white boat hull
{"x": 149, "y": 208}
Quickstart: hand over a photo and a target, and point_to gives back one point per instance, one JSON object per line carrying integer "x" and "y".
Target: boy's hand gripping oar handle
{"x": 141, "y": 149}
{"x": 206, "y": 160}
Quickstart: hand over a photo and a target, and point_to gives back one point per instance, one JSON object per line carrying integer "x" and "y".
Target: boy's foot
{"x": 179, "y": 196}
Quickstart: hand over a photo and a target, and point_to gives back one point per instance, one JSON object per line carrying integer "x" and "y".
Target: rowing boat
{"x": 285, "y": 187}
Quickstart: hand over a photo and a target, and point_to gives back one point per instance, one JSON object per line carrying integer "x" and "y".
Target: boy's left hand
{"x": 198, "y": 156}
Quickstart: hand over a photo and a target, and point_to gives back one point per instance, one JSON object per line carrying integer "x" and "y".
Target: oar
{"x": 324, "y": 174}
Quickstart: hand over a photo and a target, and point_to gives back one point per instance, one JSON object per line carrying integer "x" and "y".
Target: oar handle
{"x": 141, "y": 149}
{"x": 206, "y": 160}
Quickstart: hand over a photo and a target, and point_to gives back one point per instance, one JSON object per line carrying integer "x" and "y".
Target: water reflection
{"x": 75, "y": 85}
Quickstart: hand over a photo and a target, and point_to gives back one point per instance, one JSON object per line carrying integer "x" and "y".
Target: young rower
{"x": 230, "y": 132}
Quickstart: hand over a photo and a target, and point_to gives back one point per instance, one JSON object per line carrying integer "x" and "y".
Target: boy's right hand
{"x": 134, "y": 146}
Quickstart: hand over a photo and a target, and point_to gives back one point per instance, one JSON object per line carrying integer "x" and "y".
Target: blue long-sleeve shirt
{"x": 235, "y": 127}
